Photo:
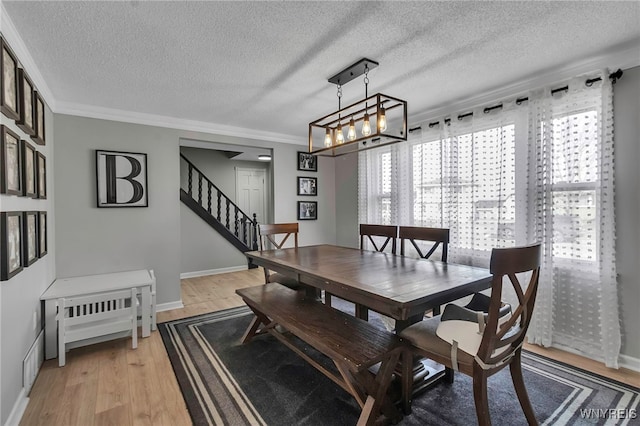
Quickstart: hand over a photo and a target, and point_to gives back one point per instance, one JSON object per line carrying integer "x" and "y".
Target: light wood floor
{"x": 112, "y": 384}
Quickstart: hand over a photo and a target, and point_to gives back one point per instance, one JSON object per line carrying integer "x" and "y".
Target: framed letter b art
{"x": 122, "y": 179}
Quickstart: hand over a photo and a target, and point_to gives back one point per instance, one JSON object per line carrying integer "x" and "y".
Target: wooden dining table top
{"x": 400, "y": 287}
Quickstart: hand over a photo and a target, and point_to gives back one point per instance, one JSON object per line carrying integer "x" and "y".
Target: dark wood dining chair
{"x": 439, "y": 237}
{"x": 275, "y": 236}
{"x": 484, "y": 346}
{"x": 389, "y": 234}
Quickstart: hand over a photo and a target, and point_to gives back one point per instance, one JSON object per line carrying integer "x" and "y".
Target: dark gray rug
{"x": 264, "y": 382}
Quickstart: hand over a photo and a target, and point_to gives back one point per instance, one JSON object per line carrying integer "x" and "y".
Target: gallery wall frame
{"x": 11, "y": 161}
{"x": 307, "y": 185}
{"x": 41, "y": 176}
{"x": 30, "y": 236}
{"x": 121, "y": 179}
{"x": 10, "y": 244}
{"x": 27, "y": 120}
{"x": 29, "y": 181}
{"x": 42, "y": 234}
{"x": 9, "y": 94}
{"x": 39, "y": 114}
{"x": 307, "y": 210}
{"x": 307, "y": 162}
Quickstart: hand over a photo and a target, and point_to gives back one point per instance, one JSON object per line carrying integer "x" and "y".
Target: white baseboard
{"x": 212, "y": 272}
{"x": 625, "y": 361}
{"x": 18, "y": 409}
{"x": 169, "y": 305}
{"x": 630, "y": 363}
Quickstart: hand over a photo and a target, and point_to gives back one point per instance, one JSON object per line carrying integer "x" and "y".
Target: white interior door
{"x": 250, "y": 192}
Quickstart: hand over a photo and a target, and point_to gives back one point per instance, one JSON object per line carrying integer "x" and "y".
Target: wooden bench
{"x": 353, "y": 345}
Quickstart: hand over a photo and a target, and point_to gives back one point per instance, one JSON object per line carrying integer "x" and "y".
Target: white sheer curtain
{"x": 541, "y": 170}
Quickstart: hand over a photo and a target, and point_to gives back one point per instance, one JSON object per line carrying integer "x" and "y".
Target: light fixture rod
{"x": 353, "y": 71}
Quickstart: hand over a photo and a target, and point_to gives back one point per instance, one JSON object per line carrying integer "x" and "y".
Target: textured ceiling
{"x": 265, "y": 65}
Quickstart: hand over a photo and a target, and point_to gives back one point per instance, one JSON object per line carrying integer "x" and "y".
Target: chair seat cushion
{"x": 423, "y": 336}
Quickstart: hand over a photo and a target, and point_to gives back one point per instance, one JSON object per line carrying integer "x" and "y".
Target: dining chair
{"x": 275, "y": 236}
{"x": 388, "y": 232}
{"x": 439, "y": 237}
{"x": 478, "y": 344}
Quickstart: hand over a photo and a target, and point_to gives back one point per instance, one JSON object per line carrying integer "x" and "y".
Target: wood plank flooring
{"x": 112, "y": 384}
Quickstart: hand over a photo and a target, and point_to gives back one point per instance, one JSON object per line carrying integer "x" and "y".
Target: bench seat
{"x": 353, "y": 345}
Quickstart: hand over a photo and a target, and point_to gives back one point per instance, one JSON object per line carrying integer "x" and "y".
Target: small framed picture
{"x": 30, "y": 235}
{"x": 42, "y": 233}
{"x": 122, "y": 179}
{"x": 307, "y": 185}
{"x": 9, "y": 99}
{"x": 307, "y": 210}
{"x": 307, "y": 162}
{"x": 29, "y": 185}
{"x": 10, "y": 244}
{"x": 10, "y": 159}
{"x": 38, "y": 110}
{"x": 41, "y": 175}
{"x": 27, "y": 121}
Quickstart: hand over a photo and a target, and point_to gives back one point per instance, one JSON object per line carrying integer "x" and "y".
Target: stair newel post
{"x": 218, "y": 198}
{"x": 254, "y": 232}
{"x": 209, "y": 196}
{"x": 190, "y": 179}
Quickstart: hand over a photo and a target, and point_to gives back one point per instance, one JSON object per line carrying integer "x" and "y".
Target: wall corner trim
{"x": 18, "y": 409}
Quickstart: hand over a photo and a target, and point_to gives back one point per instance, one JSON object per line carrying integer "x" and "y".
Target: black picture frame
{"x": 10, "y": 244}
{"x": 30, "y": 237}
{"x": 11, "y": 160}
{"x": 307, "y": 185}
{"x": 9, "y": 91}
{"x": 27, "y": 120}
{"x": 29, "y": 181}
{"x": 39, "y": 120}
{"x": 42, "y": 234}
{"x": 307, "y": 210}
{"x": 41, "y": 176}
{"x": 121, "y": 179}
{"x": 307, "y": 162}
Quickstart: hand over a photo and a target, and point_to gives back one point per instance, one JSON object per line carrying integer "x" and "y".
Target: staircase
{"x": 207, "y": 201}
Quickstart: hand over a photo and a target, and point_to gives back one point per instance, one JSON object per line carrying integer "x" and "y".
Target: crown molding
{"x": 91, "y": 111}
{"x": 624, "y": 56}
{"x": 12, "y": 36}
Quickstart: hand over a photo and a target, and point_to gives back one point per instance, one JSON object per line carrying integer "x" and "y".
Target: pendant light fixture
{"x": 380, "y": 118}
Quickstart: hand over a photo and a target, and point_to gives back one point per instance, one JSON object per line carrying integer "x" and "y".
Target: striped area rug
{"x": 265, "y": 383}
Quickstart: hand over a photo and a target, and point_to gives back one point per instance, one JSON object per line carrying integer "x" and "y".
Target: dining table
{"x": 400, "y": 287}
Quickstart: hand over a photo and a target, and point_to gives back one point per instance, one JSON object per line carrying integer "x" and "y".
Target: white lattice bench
{"x": 102, "y": 314}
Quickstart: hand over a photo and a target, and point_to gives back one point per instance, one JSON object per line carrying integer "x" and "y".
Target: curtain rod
{"x": 589, "y": 82}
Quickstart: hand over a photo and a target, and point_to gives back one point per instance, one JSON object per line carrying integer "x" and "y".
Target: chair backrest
{"x": 389, "y": 232}
{"x": 277, "y": 234}
{"x": 500, "y": 342}
{"x": 438, "y": 236}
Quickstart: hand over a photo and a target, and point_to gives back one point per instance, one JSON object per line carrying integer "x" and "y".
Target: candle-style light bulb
{"x": 352, "y": 130}
{"x": 366, "y": 125}
{"x": 339, "y": 135}
{"x": 327, "y": 138}
{"x": 382, "y": 124}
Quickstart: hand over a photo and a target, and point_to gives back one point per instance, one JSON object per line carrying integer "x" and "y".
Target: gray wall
{"x": 347, "y": 201}
{"x": 627, "y": 150}
{"x": 20, "y": 296}
{"x": 92, "y": 240}
{"x": 95, "y": 240}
